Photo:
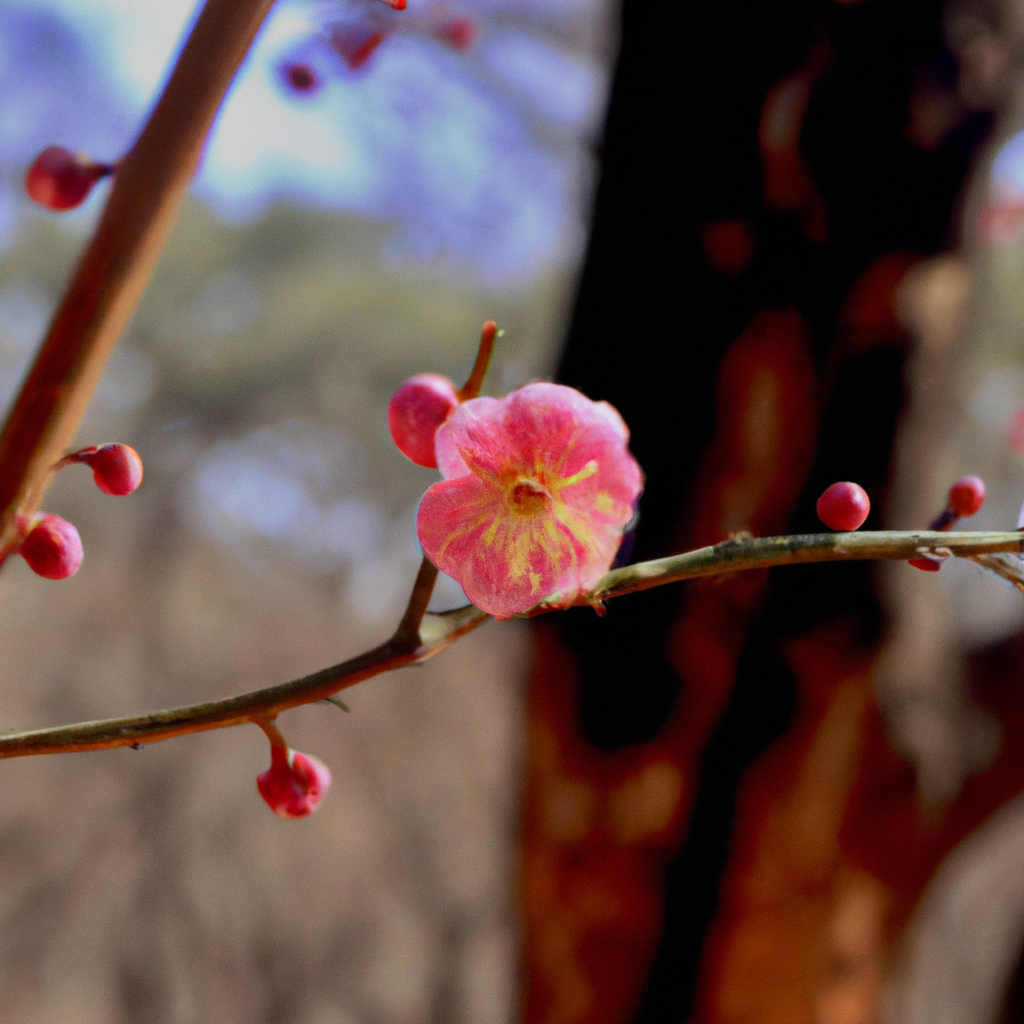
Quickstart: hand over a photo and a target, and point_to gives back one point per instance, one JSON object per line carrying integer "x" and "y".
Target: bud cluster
{"x": 51, "y": 545}
{"x": 355, "y": 33}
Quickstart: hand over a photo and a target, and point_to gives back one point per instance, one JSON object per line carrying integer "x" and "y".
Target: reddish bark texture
{"x": 717, "y": 827}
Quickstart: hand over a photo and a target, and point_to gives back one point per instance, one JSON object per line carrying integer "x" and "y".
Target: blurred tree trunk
{"x": 717, "y": 826}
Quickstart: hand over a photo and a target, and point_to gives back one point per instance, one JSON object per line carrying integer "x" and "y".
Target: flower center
{"x": 528, "y": 498}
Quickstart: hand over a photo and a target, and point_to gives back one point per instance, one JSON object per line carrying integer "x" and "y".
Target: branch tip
{"x": 475, "y": 380}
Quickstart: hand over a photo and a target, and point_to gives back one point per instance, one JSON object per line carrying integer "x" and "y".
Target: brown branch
{"x": 475, "y": 381}
{"x": 409, "y": 628}
{"x": 149, "y": 188}
{"x": 437, "y": 631}
{"x": 742, "y": 553}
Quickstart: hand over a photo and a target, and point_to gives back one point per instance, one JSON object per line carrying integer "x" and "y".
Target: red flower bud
{"x": 356, "y": 44}
{"x": 844, "y": 506}
{"x": 966, "y": 496}
{"x": 116, "y": 467}
{"x": 926, "y": 563}
{"x": 301, "y": 77}
{"x": 294, "y": 784}
{"x": 52, "y": 548}
{"x": 61, "y": 180}
{"x": 458, "y": 32}
{"x": 396, "y": 5}
{"x": 417, "y": 410}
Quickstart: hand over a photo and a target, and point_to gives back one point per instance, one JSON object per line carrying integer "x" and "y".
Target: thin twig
{"x": 1006, "y": 566}
{"x": 475, "y": 381}
{"x": 437, "y": 631}
{"x": 765, "y": 552}
{"x": 409, "y": 628}
{"x": 148, "y": 191}
{"x": 260, "y": 705}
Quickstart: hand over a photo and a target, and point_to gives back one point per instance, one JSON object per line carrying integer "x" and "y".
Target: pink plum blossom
{"x": 295, "y": 783}
{"x": 538, "y": 488}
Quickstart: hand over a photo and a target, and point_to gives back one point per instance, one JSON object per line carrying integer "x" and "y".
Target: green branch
{"x": 745, "y": 552}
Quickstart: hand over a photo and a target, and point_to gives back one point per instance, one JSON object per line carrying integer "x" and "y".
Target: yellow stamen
{"x": 588, "y": 470}
{"x": 528, "y": 498}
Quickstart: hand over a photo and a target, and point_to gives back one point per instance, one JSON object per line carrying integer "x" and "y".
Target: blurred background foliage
{"x": 783, "y": 797}
{"x": 339, "y": 240}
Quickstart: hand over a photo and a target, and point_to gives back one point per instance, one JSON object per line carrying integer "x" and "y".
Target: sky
{"x": 479, "y": 156}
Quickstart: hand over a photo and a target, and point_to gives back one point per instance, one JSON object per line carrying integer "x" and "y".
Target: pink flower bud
{"x": 966, "y": 496}
{"x": 294, "y": 784}
{"x": 417, "y": 410}
{"x": 116, "y": 467}
{"x": 61, "y": 180}
{"x": 52, "y": 548}
{"x": 844, "y": 506}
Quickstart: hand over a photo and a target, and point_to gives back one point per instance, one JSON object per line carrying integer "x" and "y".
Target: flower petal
{"x": 555, "y": 443}
{"x": 505, "y": 563}
{"x": 474, "y": 440}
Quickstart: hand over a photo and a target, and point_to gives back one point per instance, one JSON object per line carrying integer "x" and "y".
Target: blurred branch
{"x": 421, "y": 635}
{"x": 148, "y": 191}
{"x": 1003, "y": 565}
